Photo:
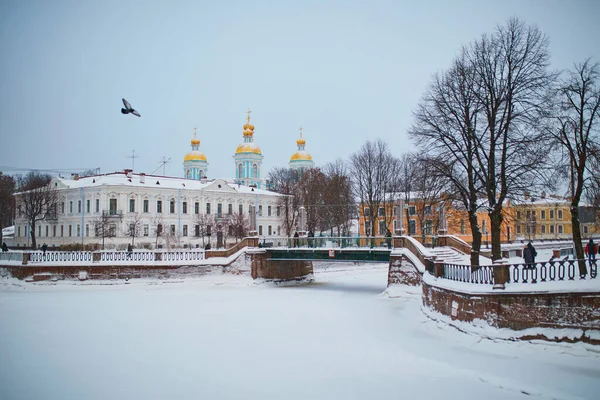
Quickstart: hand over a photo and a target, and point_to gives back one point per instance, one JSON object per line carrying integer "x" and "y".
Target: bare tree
{"x": 134, "y": 227}
{"x": 205, "y": 223}
{"x": 406, "y": 181}
{"x": 285, "y": 182}
{"x": 576, "y": 131}
{"x": 375, "y": 171}
{"x": 339, "y": 205}
{"x": 312, "y": 186}
{"x": 428, "y": 189}
{"x": 36, "y": 200}
{"x": 158, "y": 228}
{"x": 512, "y": 79}
{"x": 445, "y": 129}
{"x": 7, "y": 201}
{"x": 240, "y": 226}
{"x": 104, "y": 227}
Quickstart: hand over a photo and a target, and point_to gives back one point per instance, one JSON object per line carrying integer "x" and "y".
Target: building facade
{"x": 132, "y": 206}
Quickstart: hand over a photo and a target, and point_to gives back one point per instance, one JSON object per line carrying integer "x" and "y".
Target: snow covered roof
{"x": 156, "y": 181}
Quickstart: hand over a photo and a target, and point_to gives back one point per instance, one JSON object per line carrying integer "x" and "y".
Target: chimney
{"x": 142, "y": 177}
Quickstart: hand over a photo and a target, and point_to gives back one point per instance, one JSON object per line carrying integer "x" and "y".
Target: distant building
{"x": 195, "y": 165}
{"x": 248, "y": 159}
{"x": 301, "y": 160}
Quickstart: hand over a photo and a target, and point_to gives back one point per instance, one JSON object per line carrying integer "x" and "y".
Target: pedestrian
{"x": 311, "y": 235}
{"x": 529, "y": 255}
{"x": 129, "y": 250}
{"x": 44, "y": 248}
{"x": 4, "y": 247}
{"x": 388, "y": 239}
{"x": 296, "y": 236}
{"x": 590, "y": 250}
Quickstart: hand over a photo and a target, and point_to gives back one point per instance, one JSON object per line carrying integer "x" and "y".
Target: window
{"x": 560, "y": 228}
{"x": 97, "y": 205}
{"x": 381, "y": 212}
{"x": 270, "y": 231}
{"x": 54, "y": 231}
{"x": 463, "y": 229}
{"x": 132, "y": 230}
{"x": 230, "y": 209}
{"x": 559, "y": 215}
{"x": 208, "y": 208}
{"x": 159, "y": 206}
{"x": 269, "y": 211}
{"x": 412, "y": 227}
{"x": 185, "y": 232}
{"x": 367, "y": 212}
{"x": 87, "y": 206}
{"x": 412, "y": 210}
{"x": 428, "y": 227}
{"x": 484, "y": 226}
{"x": 146, "y": 229}
{"x": 367, "y": 228}
{"x": 70, "y": 230}
{"x": 62, "y": 230}
{"x": 278, "y": 211}
{"x": 260, "y": 229}
{"x": 112, "y": 230}
{"x": 112, "y": 206}
{"x": 518, "y": 229}
{"x": 394, "y": 211}
{"x": 62, "y": 208}
{"x": 47, "y": 228}
{"x": 184, "y": 207}
{"x": 172, "y": 229}
{"x": 551, "y": 214}
{"x": 241, "y": 209}
{"x": 395, "y": 225}
{"x": 518, "y": 214}
{"x": 197, "y": 230}
{"x": 146, "y": 205}
{"x": 79, "y": 206}
{"x": 543, "y": 214}
{"x": 219, "y": 210}
{"x": 87, "y": 229}
{"x": 279, "y": 231}
{"x": 543, "y": 229}
{"x": 240, "y": 171}
{"x": 18, "y": 231}
{"x": 551, "y": 227}
{"x": 70, "y": 207}
{"x": 585, "y": 229}
{"x": 255, "y": 171}
{"x": 131, "y": 205}
{"x": 260, "y": 210}
{"x": 78, "y": 230}
{"x": 208, "y": 230}
{"x": 39, "y": 231}
{"x": 528, "y": 214}
{"x": 172, "y": 206}
{"x": 196, "y": 208}
{"x": 159, "y": 229}
{"x": 382, "y": 228}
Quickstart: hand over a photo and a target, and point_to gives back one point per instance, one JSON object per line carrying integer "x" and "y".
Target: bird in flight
{"x": 128, "y": 109}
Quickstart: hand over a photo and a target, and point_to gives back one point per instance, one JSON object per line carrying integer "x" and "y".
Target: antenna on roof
{"x": 163, "y": 165}
{"x": 133, "y": 157}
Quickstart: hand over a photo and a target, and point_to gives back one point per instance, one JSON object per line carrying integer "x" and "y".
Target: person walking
{"x": 44, "y": 248}
{"x": 590, "y": 250}
{"x": 311, "y": 239}
{"x": 4, "y": 247}
{"x": 296, "y": 236}
{"x": 529, "y": 255}
{"x": 388, "y": 239}
{"x": 129, "y": 250}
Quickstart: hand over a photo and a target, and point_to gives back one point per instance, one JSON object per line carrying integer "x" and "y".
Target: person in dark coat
{"x": 388, "y": 239}
{"x": 311, "y": 241}
{"x": 529, "y": 255}
{"x": 4, "y": 247}
{"x": 296, "y": 236}
{"x": 44, "y": 248}
{"x": 590, "y": 250}
{"x": 129, "y": 250}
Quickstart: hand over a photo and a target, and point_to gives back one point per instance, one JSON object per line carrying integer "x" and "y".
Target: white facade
{"x": 125, "y": 197}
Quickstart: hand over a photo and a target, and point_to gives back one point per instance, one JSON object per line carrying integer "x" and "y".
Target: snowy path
{"x": 223, "y": 337}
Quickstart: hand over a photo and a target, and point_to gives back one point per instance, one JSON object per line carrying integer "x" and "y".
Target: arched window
{"x": 240, "y": 171}
{"x": 187, "y": 174}
{"x": 255, "y": 171}
{"x": 201, "y": 174}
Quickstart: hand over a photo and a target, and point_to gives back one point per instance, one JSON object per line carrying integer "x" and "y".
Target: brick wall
{"x": 284, "y": 270}
{"x": 402, "y": 271}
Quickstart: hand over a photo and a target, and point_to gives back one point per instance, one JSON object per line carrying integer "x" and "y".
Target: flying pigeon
{"x": 128, "y": 109}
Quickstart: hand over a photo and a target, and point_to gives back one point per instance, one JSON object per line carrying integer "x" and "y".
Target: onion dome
{"x": 248, "y": 146}
{"x": 301, "y": 154}
{"x": 194, "y": 155}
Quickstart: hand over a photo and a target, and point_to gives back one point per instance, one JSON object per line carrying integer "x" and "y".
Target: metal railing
{"x": 112, "y": 213}
{"x": 11, "y": 256}
{"x": 60, "y": 256}
{"x": 464, "y": 273}
{"x": 326, "y": 242}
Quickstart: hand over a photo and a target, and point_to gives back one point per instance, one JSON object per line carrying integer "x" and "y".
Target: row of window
{"x": 543, "y": 229}
{"x": 412, "y": 227}
{"x": 59, "y": 230}
{"x": 532, "y": 214}
{"x": 412, "y": 210}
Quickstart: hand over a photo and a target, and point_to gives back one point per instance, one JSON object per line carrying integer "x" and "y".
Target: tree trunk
{"x": 496, "y": 226}
{"x": 577, "y": 240}
{"x": 32, "y": 231}
{"x": 476, "y": 233}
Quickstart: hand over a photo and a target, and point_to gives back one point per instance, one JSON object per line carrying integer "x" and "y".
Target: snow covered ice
{"x": 227, "y": 337}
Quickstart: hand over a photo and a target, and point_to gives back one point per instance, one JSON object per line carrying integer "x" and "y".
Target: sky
{"x": 344, "y": 71}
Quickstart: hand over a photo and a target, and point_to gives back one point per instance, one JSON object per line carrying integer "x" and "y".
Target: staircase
{"x": 449, "y": 255}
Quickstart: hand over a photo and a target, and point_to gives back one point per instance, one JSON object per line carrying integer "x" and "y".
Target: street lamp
{"x": 487, "y": 243}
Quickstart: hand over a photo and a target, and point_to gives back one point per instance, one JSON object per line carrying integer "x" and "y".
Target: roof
{"x": 156, "y": 181}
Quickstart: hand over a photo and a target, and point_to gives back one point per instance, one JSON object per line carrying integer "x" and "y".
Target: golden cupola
{"x": 248, "y": 146}
{"x": 195, "y": 165}
{"x": 195, "y": 154}
{"x": 301, "y": 154}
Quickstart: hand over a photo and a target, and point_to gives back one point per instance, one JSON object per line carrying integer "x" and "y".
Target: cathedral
{"x": 247, "y": 159}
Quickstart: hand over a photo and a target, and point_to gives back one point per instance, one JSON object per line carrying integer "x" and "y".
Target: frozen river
{"x": 224, "y": 337}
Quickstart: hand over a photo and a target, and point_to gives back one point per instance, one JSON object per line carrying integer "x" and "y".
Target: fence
{"x": 326, "y": 242}
{"x": 549, "y": 271}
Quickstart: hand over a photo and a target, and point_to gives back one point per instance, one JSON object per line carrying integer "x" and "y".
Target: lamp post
{"x": 487, "y": 243}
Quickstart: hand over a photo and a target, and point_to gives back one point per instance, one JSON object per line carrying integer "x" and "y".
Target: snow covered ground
{"x": 226, "y": 337}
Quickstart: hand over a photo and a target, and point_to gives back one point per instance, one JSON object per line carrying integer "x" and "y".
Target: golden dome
{"x": 194, "y": 156}
{"x": 300, "y": 142}
{"x": 301, "y": 155}
{"x": 248, "y": 132}
{"x": 248, "y": 148}
{"x": 249, "y": 126}
{"x": 195, "y": 141}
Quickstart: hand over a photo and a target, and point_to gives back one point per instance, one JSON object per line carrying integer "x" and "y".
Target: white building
{"x": 126, "y": 198}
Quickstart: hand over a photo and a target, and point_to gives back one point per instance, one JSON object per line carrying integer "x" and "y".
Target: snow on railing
{"x": 60, "y": 256}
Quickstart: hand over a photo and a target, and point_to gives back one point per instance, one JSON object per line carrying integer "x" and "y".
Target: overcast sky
{"x": 345, "y": 71}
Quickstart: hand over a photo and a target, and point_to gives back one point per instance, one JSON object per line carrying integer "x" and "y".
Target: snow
{"x": 224, "y": 337}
